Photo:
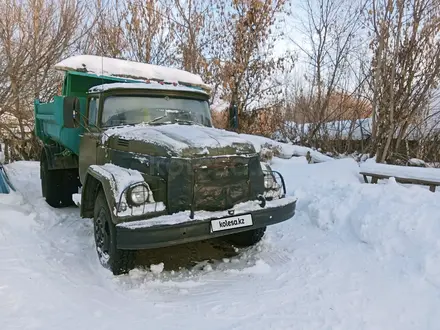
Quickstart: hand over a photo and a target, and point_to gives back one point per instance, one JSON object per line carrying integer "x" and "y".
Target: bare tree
{"x": 194, "y": 21}
{"x": 108, "y": 35}
{"x": 405, "y": 67}
{"x": 330, "y": 42}
{"x": 149, "y": 32}
{"x": 248, "y": 64}
{"x": 34, "y": 35}
{"x": 139, "y": 30}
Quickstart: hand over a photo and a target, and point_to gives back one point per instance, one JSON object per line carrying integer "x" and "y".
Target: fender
{"x": 113, "y": 180}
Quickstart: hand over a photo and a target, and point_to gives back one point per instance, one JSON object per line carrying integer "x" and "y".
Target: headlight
{"x": 272, "y": 186}
{"x": 270, "y": 182}
{"x": 138, "y": 195}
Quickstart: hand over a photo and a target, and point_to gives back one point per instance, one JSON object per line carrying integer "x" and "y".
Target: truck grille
{"x": 213, "y": 184}
{"x": 219, "y": 186}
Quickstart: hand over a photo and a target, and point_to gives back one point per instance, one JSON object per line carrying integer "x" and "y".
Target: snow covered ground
{"x": 355, "y": 256}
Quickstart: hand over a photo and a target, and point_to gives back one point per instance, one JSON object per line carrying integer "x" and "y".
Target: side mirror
{"x": 71, "y": 112}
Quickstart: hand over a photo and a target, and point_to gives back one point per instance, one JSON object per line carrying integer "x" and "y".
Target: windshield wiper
{"x": 167, "y": 112}
{"x": 157, "y": 119}
{"x": 177, "y": 120}
{"x": 186, "y": 121}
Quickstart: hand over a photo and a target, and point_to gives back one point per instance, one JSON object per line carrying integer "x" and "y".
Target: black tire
{"x": 57, "y": 186}
{"x": 117, "y": 261}
{"x": 50, "y": 184}
{"x": 246, "y": 238}
{"x": 70, "y": 183}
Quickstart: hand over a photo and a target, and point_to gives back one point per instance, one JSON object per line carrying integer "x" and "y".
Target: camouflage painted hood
{"x": 178, "y": 140}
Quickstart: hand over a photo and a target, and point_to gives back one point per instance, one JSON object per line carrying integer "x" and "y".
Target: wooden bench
{"x": 416, "y": 176}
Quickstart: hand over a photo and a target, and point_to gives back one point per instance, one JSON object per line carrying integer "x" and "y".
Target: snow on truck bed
{"x": 101, "y": 65}
{"x": 410, "y": 172}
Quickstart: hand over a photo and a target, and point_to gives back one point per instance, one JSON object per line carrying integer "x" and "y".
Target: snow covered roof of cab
{"x": 151, "y": 85}
{"x": 101, "y": 65}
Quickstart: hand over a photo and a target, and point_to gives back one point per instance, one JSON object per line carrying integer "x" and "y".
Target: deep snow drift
{"x": 355, "y": 256}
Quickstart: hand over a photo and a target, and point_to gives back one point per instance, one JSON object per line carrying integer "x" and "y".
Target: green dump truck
{"x": 133, "y": 144}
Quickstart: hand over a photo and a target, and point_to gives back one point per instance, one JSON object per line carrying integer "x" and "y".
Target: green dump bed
{"x": 49, "y": 116}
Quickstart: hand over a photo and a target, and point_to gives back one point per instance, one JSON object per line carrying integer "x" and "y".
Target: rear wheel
{"x": 118, "y": 261}
{"x": 57, "y": 186}
{"x": 50, "y": 184}
{"x": 246, "y": 238}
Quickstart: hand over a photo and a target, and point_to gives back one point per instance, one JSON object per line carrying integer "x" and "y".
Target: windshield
{"x": 131, "y": 110}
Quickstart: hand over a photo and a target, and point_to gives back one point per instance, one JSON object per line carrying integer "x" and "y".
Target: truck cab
{"x": 137, "y": 150}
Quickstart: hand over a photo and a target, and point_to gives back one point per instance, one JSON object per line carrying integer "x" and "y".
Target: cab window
{"x": 93, "y": 111}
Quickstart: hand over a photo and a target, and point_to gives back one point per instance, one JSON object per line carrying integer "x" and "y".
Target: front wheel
{"x": 118, "y": 261}
{"x": 246, "y": 238}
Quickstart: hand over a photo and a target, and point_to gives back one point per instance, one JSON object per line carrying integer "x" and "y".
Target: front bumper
{"x": 142, "y": 235}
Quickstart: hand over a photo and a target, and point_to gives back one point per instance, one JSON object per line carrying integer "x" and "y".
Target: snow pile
{"x": 157, "y": 269}
{"x": 286, "y": 150}
{"x": 401, "y": 224}
{"x": 417, "y": 162}
{"x": 101, "y": 65}
{"x": 76, "y": 198}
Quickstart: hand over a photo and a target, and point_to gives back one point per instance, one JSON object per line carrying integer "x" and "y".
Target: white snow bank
{"x": 400, "y": 224}
{"x": 410, "y": 172}
{"x": 101, "y": 65}
{"x": 287, "y": 150}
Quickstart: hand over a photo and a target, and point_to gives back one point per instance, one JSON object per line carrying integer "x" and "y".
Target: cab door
{"x": 89, "y": 141}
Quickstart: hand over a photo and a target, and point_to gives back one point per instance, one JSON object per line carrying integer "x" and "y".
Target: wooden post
{"x": 7, "y": 152}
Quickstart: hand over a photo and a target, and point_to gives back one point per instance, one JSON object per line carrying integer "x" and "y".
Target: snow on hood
{"x": 180, "y": 137}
